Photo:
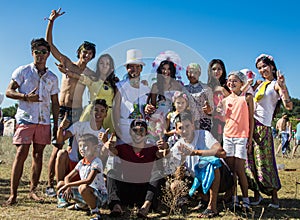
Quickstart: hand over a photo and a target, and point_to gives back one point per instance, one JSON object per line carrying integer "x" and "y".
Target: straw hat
{"x": 134, "y": 56}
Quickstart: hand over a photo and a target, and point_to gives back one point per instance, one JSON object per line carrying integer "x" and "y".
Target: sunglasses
{"x": 140, "y": 130}
{"x": 36, "y": 52}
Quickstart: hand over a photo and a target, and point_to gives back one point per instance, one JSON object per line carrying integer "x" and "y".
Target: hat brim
{"x": 135, "y": 62}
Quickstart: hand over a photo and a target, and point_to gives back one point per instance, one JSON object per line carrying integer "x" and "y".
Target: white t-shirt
{"x": 28, "y": 79}
{"x": 78, "y": 129}
{"x": 85, "y": 169}
{"x": 133, "y": 101}
{"x": 203, "y": 140}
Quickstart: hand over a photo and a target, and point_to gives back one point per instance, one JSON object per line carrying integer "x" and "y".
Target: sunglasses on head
{"x": 36, "y": 52}
{"x": 86, "y": 43}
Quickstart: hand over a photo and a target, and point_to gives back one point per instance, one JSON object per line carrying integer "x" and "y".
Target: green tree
{"x": 10, "y": 111}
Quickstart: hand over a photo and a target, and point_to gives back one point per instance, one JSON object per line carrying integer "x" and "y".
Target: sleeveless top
{"x": 237, "y": 117}
{"x": 264, "y": 109}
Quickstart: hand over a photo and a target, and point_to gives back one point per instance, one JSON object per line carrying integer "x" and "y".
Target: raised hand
{"x": 207, "y": 108}
{"x": 149, "y": 109}
{"x": 161, "y": 144}
{"x": 103, "y": 136}
{"x": 280, "y": 80}
{"x": 55, "y": 14}
{"x": 61, "y": 66}
{"x": 110, "y": 144}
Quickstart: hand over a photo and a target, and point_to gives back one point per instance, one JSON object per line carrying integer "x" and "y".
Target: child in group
{"x": 90, "y": 189}
{"x": 180, "y": 103}
{"x": 238, "y": 111}
{"x": 68, "y": 158}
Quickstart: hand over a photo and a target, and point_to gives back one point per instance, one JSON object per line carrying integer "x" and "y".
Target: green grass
{"x": 26, "y": 209}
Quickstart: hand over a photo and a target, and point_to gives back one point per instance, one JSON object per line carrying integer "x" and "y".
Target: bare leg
{"x": 279, "y": 148}
{"x": 294, "y": 149}
{"x": 61, "y": 165}
{"x": 51, "y": 166}
{"x": 231, "y": 163}
{"x": 213, "y": 192}
{"x": 17, "y": 171}
{"x": 36, "y": 169}
{"x": 88, "y": 195}
{"x": 275, "y": 197}
{"x": 242, "y": 176}
{"x": 256, "y": 195}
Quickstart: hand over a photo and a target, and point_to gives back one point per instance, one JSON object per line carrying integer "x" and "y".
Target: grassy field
{"x": 26, "y": 209}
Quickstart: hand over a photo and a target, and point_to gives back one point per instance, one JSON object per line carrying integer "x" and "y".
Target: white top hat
{"x": 134, "y": 56}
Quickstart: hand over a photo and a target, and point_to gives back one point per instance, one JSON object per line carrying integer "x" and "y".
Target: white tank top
{"x": 264, "y": 109}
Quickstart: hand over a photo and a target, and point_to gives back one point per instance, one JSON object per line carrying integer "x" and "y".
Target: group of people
{"x": 286, "y": 135}
{"x": 130, "y": 137}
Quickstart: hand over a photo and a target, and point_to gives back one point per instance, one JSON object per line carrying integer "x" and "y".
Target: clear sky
{"x": 234, "y": 31}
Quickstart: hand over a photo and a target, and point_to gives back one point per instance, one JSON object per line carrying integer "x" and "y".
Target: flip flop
{"x": 208, "y": 213}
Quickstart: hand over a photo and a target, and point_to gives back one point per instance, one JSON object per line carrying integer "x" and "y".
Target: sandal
{"x": 208, "y": 213}
{"x": 200, "y": 205}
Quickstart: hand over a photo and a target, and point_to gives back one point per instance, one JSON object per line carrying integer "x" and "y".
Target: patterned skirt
{"x": 261, "y": 168}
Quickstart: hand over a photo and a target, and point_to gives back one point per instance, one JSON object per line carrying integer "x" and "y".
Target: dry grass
{"x": 26, "y": 209}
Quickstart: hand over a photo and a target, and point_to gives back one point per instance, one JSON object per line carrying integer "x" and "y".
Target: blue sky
{"x": 234, "y": 31}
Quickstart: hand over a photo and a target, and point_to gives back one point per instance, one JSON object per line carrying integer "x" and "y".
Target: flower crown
{"x": 178, "y": 94}
{"x": 264, "y": 55}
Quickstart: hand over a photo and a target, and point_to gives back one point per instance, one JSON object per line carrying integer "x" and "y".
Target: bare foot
{"x": 11, "y": 201}
{"x": 33, "y": 196}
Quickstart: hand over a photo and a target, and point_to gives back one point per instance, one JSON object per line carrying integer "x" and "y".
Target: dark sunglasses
{"x": 36, "y": 52}
{"x": 140, "y": 130}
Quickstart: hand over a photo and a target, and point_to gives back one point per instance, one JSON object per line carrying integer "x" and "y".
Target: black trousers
{"x": 125, "y": 193}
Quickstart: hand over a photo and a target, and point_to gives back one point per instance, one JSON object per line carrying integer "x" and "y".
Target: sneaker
{"x": 274, "y": 206}
{"x": 95, "y": 216}
{"x": 246, "y": 207}
{"x": 61, "y": 202}
{"x": 50, "y": 191}
{"x": 78, "y": 207}
{"x": 235, "y": 206}
{"x": 260, "y": 199}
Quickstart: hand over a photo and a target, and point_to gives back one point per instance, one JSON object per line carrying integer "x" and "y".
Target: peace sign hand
{"x": 280, "y": 80}
{"x": 55, "y": 14}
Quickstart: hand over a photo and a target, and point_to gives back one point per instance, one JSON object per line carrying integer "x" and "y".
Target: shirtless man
{"x": 284, "y": 128}
{"x": 71, "y": 92}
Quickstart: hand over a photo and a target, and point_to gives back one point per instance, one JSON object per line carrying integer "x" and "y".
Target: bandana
{"x": 261, "y": 91}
